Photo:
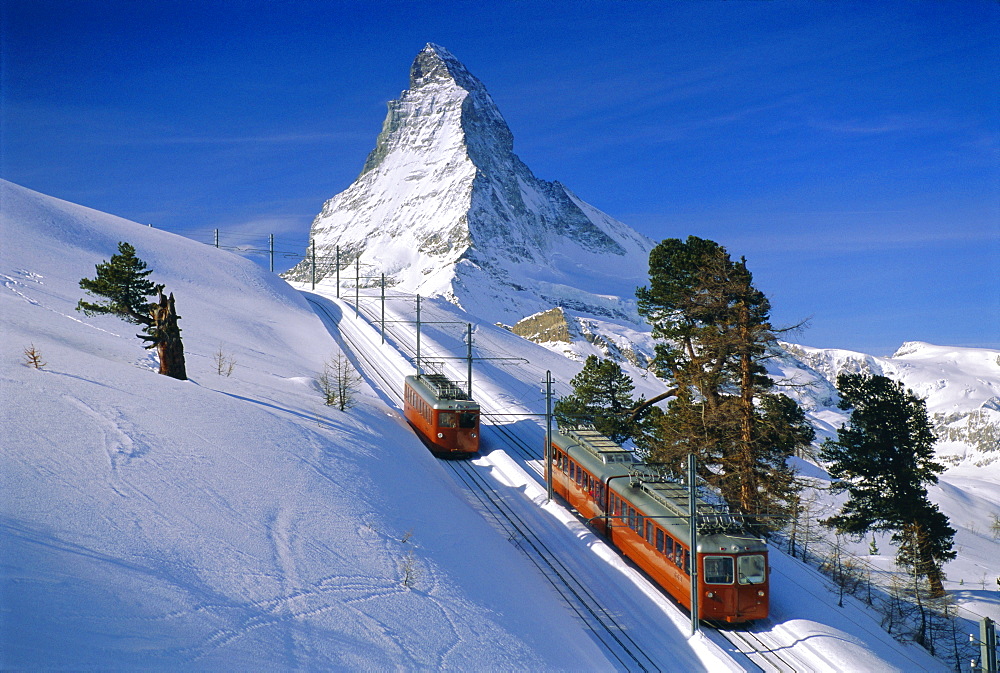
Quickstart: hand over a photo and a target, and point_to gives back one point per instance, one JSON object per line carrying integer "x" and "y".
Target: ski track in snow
{"x": 13, "y": 284}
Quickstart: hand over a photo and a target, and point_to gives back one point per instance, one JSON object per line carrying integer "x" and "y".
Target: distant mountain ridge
{"x": 443, "y": 206}
{"x": 961, "y": 387}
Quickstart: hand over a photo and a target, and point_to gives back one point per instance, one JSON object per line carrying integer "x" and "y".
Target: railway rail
{"x": 758, "y": 651}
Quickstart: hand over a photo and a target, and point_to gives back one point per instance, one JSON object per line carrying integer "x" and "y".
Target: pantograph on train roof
{"x": 657, "y": 481}
{"x": 443, "y": 387}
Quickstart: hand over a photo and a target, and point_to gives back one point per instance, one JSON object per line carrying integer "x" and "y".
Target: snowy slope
{"x": 235, "y": 522}
{"x": 225, "y": 522}
{"x": 444, "y": 207}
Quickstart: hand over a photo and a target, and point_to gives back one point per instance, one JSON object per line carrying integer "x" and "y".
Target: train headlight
{"x": 440, "y": 435}
{"x": 760, "y": 593}
{"x": 472, "y": 434}
{"x": 711, "y": 594}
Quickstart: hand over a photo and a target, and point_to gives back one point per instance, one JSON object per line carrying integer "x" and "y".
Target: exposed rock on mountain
{"x": 443, "y": 206}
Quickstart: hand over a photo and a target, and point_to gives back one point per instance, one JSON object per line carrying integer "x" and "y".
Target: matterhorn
{"x": 444, "y": 207}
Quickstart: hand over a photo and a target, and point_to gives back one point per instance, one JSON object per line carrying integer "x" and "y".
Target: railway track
{"x": 752, "y": 649}
{"x": 606, "y": 628}
{"x": 758, "y": 651}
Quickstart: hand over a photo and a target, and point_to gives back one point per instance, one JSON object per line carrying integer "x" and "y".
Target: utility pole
{"x": 693, "y": 553}
{"x": 548, "y": 434}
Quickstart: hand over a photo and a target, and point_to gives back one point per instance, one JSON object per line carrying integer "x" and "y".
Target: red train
{"x": 442, "y": 414}
{"x": 645, "y": 515}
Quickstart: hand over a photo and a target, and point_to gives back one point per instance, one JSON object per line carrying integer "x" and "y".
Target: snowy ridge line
{"x": 616, "y": 641}
{"x": 580, "y": 599}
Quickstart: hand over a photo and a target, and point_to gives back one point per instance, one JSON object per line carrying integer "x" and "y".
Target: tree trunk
{"x": 168, "y": 344}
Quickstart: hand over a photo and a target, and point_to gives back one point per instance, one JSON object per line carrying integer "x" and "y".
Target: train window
{"x": 686, "y": 564}
{"x": 718, "y": 570}
{"x": 467, "y": 420}
{"x": 446, "y": 419}
{"x": 649, "y": 532}
{"x": 668, "y": 546}
{"x": 659, "y": 540}
{"x": 752, "y": 569}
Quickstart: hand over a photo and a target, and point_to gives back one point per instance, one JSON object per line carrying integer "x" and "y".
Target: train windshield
{"x": 467, "y": 420}
{"x": 753, "y": 569}
{"x": 718, "y": 570}
{"x": 446, "y": 419}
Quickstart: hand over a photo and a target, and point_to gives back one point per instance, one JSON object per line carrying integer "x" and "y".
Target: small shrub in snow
{"x": 339, "y": 382}
{"x": 409, "y": 568}
{"x": 33, "y": 357}
{"x": 224, "y": 363}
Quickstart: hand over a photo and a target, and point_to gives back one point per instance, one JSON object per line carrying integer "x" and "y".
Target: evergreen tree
{"x": 123, "y": 282}
{"x": 884, "y": 459}
{"x": 714, "y": 334}
{"x": 602, "y": 395}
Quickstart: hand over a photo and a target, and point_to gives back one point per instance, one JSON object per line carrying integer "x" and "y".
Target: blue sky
{"x": 850, "y": 151}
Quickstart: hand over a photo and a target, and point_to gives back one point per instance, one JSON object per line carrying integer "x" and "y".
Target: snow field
{"x": 226, "y": 522}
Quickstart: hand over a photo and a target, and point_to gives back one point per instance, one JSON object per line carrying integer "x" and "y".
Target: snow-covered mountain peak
{"x": 435, "y": 64}
{"x": 444, "y": 207}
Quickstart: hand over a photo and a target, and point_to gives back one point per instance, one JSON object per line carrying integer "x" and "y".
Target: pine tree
{"x": 714, "y": 334}
{"x": 123, "y": 282}
{"x": 884, "y": 459}
{"x": 602, "y": 395}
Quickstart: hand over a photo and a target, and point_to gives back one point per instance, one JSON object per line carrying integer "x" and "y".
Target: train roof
{"x": 441, "y": 392}
{"x": 656, "y": 493}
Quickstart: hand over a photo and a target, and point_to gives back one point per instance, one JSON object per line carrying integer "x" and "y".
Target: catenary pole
{"x": 338, "y": 272}
{"x": 548, "y": 434}
{"x": 418, "y": 336}
{"x": 313, "y": 256}
{"x": 357, "y": 283}
{"x": 693, "y": 553}
{"x": 270, "y": 249}
{"x": 469, "y": 357}
{"x": 382, "y": 322}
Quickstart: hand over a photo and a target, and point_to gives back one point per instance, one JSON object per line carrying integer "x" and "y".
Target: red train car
{"x": 645, "y": 516}
{"x": 442, "y": 414}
